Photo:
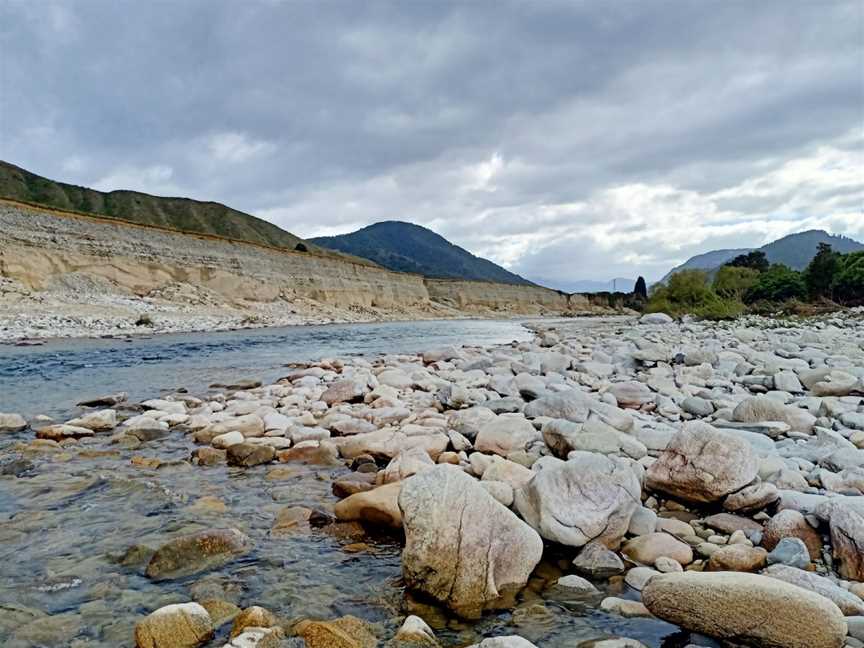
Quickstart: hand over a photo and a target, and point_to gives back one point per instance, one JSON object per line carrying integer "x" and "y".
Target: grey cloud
{"x": 342, "y": 113}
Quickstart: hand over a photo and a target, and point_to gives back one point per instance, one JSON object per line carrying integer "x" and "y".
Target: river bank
{"x": 605, "y": 480}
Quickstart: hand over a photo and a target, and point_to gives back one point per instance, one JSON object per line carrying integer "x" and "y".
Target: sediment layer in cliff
{"x": 41, "y": 248}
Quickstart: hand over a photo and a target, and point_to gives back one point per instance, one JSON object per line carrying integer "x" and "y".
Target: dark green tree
{"x": 848, "y": 286}
{"x": 820, "y": 274}
{"x": 641, "y": 289}
{"x": 777, "y": 284}
{"x": 755, "y": 260}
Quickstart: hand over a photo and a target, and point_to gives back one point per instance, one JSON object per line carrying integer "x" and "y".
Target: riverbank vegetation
{"x": 748, "y": 283}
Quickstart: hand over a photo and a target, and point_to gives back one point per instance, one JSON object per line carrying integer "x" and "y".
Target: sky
{"x": 564, "y": 140}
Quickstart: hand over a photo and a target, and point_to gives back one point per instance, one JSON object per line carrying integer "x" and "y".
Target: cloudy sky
{"x": 564, "y": 140}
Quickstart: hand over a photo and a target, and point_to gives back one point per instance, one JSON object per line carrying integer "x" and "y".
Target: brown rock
{"x": 738, "y": 558}
{"x": 248, "y": 454}
{"x": 344, "y": 632}
{"x": 254, "y": 617}
{"x": 729, "y": 523}
{"x": 648, "y": 548}
{"x": 357, "y": 482}
{"x": 379, "y": 506}
{"x": 208, "y": 456}
{"x": 321, "y": 454}
{"x": 291, "y": 519}
{"x": 197, "y": 552}
{"x": 184, "y": 625}
{"x": 791, "y": 524}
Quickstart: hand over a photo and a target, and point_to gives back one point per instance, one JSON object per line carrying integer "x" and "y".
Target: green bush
{"x": 755, "y": 260}
{"x": 778, "y": 283}
{"x": 733, "y": 282}
{"x": 688, "y": 292}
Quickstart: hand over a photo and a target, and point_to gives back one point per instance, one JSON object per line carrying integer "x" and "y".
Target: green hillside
{"x": 184, "y": 214}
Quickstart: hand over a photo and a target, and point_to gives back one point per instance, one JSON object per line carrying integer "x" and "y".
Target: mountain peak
{"x": 408, "y": 247}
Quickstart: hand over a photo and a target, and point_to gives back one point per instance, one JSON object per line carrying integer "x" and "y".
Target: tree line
{"x": 750, "y": 283}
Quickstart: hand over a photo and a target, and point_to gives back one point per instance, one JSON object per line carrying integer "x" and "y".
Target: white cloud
{"x": 236, "y": 147}
{"x": 156, "y": 179}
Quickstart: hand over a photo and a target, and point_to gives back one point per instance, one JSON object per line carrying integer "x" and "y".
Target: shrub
{"x": 778, "y": 283}
{"x": 688, "y": 292}
{"x": 733, "y": 282}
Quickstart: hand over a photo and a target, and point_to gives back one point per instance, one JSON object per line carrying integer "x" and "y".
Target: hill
{"x": 406, "y": 247}
{"x": 183, "y": 214}
{"x": 795, "y": 250}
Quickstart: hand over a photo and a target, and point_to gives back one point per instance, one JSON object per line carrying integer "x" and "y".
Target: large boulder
{"x": 703, "y": 464}
{"x": 462, "y": 547}
{"x": 746, "y": 608}
{"x": 197, "y": 552}
{"x": 505, "y": 434}
{"x": 589, "y": 497}
{"x": 344, "y": 632}
{"x": 760, "y": 409}
{"x": 789, "y": 523}
{"x": 183, "y": 625}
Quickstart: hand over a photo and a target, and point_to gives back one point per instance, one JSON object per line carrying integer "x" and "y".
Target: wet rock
{"x": 746, "y": 608}
{"x": 60, "y": 432}
{"x": 183, "y": 625}
{"x": 648, "y": 548}
{"x": 588, "y": 497}
{"x": 197, "y": 552}
{"x": 357, "y": 482}
{"x": 12, "y": 422}
{"x": 624, "y": 607}
{"x": 224, "y": 441}
{"x": 248, "y": 455}
{"x": 577, "y": 584}
{"x": 107, "y": 400}
{"x": 221, "y": 612}
{"x": 315, "y": 453}
{"x": 595, "y": 560}
{"x": 379, "y": 506}
{"x": 510, "y": 641}
{"x": 208, "y": 456}
{"x": 253, "y": 617}
{"x": 344, "y": 632}
{"x": 848, "y": 603}
{"x": 703, "y": 464}
{"x": 291, "y": 519}
{"x": 97, "y": 421}
{"x": 462, "y": 547}
{"x": 414, "y": 633}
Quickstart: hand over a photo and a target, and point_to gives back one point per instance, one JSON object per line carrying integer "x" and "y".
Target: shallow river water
{"x": 69, "y": 516}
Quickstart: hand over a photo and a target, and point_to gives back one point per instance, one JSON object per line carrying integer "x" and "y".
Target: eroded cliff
{"x": 61, "y": 261}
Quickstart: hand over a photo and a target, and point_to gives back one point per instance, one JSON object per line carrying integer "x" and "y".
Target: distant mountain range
{"x": 587, "y": 286}
{"x": 407, "y": 247}
{"x": 794, "y": 250}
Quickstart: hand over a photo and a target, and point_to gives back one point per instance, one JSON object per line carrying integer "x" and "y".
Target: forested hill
{"x": 407, "y": 247}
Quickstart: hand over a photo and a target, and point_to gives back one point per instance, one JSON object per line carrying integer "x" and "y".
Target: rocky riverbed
{"x": 620, "y": 484}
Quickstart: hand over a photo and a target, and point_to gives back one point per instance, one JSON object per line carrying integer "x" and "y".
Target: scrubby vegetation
{"x": 749, "y": 283}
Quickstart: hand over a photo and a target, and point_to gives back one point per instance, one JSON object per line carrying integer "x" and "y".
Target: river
{"x": 69, "y": 516}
